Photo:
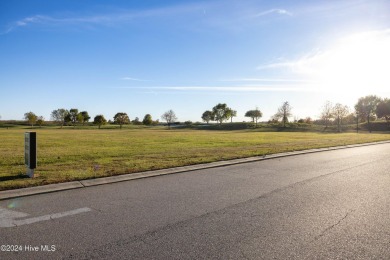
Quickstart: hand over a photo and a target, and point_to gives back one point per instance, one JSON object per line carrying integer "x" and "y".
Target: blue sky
{"x": 144, "y": 57}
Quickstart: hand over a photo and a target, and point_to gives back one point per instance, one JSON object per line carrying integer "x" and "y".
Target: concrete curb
{"x": 39, "y": 189}
{"x": 8, "y": 194}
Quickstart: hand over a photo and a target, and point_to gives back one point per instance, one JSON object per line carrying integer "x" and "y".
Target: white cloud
{"x": 219, "y": 14}
{"x": 25, "y": 22}
{"x": 29, "y": 20}
{"x": 107, "y": 19}
{"x": 242, "y": 88}
{"x": 263, "y": 80}
{"x": 133, "y": 79}
{"x": 274, "y": 11}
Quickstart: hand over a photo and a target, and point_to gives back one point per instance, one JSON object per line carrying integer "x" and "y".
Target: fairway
{"x": 75, "y": 154}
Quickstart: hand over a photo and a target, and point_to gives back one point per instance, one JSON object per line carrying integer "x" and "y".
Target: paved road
{"x": 328, "y": 205}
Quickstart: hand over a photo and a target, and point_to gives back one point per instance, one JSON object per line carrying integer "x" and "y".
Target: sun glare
{"x": 359, "y": 63}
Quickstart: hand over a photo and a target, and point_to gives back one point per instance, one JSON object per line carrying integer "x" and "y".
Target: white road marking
{"x": 8, "y": 218}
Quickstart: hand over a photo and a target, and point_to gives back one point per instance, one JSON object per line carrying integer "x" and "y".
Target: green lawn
{"x": 75, "y": 154}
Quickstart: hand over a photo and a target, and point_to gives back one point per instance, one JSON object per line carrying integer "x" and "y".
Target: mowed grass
{"x": 76, "y": 154}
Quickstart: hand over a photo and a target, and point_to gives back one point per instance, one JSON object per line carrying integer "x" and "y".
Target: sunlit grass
{"x": 76, "y": 154}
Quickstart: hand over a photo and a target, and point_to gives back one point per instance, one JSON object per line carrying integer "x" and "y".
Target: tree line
{"x": 73, "y": 117}
{"x": 367, "y": 109}
{"x": 221, "y": 112}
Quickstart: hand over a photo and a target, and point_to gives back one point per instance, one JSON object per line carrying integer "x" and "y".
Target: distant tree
{"x": 207, "y": 116}
{"x": 308, "y": 120}
{"x": 59, "y": 116}
{"x": 383, "y": 110}
{"x": 99, "y": 120}
{"x": 147, "y": 119}
{"x": 340, "y": 111}
{"x": 366, "y": 108}
{"x": 74, "y": 116}
{"x": 169, "y": 117}
{"x": 273, "y": 120}
{"x": 40, "y": 121}
{"x": 31, "y": 118}
{"x": 121, "y": 118}
{"x": 350, "y": 118}
{"x": 136, "y": 121}
{"x": 327, "y": 113}
{"x": 220, "y": 113}
{"x": 284, "y": 112}
{"x": 254, "y": 114}
{"x": 80, "y": 118}
{"x": 231, "y": 113}
{"x": 83, "y": 117}
{"x": 68, "y": 119}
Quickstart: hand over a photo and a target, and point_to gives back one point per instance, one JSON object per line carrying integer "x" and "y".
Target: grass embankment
{"x": 75, "y": 154}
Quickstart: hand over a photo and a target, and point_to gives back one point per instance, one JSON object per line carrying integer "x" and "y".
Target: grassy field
{"x": 75, "y": 154}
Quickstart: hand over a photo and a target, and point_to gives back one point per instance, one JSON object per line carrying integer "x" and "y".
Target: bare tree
{"x": 340, "y": 111}
{"x": 327, "y": 113}
{"x": 284, "y": 112}
{"x": 169, "y": 117}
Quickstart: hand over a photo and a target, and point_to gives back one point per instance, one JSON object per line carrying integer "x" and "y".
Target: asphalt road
{"x": 327, "y": 205}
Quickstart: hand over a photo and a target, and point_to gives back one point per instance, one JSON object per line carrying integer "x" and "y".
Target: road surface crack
{"x": 326, "y": 230}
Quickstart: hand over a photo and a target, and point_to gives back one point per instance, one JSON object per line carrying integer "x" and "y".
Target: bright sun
{"x": 358, "y": 63}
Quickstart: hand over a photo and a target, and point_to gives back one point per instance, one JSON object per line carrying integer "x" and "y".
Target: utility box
{"x": 30, "y": 152}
